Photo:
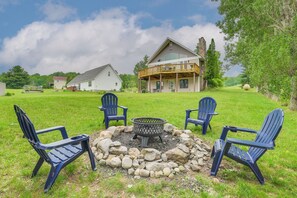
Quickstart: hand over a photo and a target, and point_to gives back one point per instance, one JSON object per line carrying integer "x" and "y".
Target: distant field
{"x": 78, "y": 112}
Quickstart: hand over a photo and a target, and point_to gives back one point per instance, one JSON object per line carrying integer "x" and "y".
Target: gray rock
{"x": 118, "y": 150}
{"x": 115, "y": 144}
{"x": 168, "y": 128}
{"x": 158, "y": 174}
{"x": 105, "y": 134}
{"x": 177, "y": 170}
{"x": 134, "y": 152}
{"x": 154, "y": 166}
{"x": 137, "y": 172}
{"x": 184, "y": 148}
{"x": 195, "y": 167}
{"x": 114, "y": 162}
{"x": 96, "y": 141}
{"x": 126, "y": 162}
{"x": 131, "y": 171}
{"x": 99, "y": 156}
{"x": 103, "y": 145}
{"x": 128, "y": 129}
{"x": 144, "y": 173}
{"x": 177, "y": 132}
{"x": 171, "y": 175}
{"x": 151, "y": 154}
{"x": 135, "y": 163}
{"x": 172, "y": 164}
{"x": 189, "y": 142}
{"x": 111, "y": 129}
{"x": 152, "y": 174}
{"x": 164, "y": 157}
{"x": 177, "y": 155}
{"x": 181, "y": 168}
{"x": 206, "y": 147}
{"x": 183, "y": 135}
{"x": 102, "y": 162}
{"x": 166, "y": 171}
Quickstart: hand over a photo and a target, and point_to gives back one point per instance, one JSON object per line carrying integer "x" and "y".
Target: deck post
{"x": 199, "y": 83}
{"x": 139, "y": 85}
{"x": 149, "y": 85}
{"x": 160, "y": 82}
{"x": 176, "y": 82}
{"x": 194, "y": 81}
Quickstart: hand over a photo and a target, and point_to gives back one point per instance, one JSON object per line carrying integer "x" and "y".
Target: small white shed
{"x": 2, "y": 89}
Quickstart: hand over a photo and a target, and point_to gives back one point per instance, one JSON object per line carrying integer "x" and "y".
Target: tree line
{"x": 261, "y": 36}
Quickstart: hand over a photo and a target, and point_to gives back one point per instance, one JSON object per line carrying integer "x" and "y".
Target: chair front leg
{"x": 218, "y": 156}
{"x": 224, "y": 133}
{"x": 188, "y": 112}
{"x": 37, "y": 166}
{"x": 91, "y": 155}
{"x": 52, "y": 176}
{"x": 254, "y": 167}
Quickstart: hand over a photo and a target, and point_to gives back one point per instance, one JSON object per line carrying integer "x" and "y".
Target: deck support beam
{"x": 149, "y": 85}
{"x": 161, "y": 83}
{"x": 176, "y": 82}
{"x": 194, "y": 81}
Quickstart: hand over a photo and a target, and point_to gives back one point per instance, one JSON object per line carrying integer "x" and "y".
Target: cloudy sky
{"x": 65, "y": 35}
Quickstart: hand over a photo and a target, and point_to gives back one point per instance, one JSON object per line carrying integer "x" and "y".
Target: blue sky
{"x": 75, "y": 35}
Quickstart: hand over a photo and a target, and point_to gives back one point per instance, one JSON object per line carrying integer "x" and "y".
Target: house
{"x": 59, "y": 82}
{"x": 175, "y": 68}
{"x": 100, "y": 78}
{"x": 2, "y": 89}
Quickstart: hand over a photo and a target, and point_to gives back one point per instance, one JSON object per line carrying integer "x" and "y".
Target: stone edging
{"x": 190, "y": 154}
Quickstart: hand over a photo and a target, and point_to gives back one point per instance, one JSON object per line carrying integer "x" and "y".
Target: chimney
{"x": 201, "y": 47}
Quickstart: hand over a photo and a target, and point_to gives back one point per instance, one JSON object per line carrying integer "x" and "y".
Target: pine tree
{"x": 214, "y": 75}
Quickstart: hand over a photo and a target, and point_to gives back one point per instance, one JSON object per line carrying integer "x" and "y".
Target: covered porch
{"x": 171, "y": 78}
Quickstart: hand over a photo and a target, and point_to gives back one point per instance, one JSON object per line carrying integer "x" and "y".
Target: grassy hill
{"x": 78, "y": 112}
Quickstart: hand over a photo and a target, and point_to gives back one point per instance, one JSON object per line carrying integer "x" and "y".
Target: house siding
{"x": 167, "y": 87}
{"x": 103, "y": 81}
{"x": 2, "y": 88}
{"x": 59, "y": 84}
{"x": 172, "y": 52}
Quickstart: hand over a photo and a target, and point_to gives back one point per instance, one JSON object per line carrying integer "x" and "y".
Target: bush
{"x": 9, "y": 94}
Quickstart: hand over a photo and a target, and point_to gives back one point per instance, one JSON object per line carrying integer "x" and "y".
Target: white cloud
{"x": 112, "y": 36}
{"x": 57, "y": 11}
{"x": 197, "y": 18}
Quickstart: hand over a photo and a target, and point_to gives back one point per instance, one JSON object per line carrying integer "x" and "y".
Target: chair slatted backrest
{"x": 268, "y": 133}
{"x": 29, "y": 132}
{"x": 110, "y": 102}
{"x": 206, "y": 105}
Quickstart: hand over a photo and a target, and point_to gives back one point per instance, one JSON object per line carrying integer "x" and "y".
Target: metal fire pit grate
{"x": 147, "y": 127}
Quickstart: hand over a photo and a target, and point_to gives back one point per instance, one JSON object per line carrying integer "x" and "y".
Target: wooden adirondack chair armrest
{"x": 101, "y": 108}
{"x": 250, "y": 143}
{"x": 56, "y": 128}
{"x": 64, "y": 142}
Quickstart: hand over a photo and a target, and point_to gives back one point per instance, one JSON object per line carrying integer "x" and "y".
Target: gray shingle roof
{"x": 88, "y": 75}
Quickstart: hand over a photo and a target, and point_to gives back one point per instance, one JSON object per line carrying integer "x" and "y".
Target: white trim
{"x": 173, "y": 61}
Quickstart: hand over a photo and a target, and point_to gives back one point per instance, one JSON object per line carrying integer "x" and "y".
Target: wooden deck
{"x": 169, "y": 69}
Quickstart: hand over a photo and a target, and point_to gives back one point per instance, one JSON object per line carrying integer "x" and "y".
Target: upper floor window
{"x": 90, "y": 83}
{"x": 108, "y": 73}
{"x": 116, "y": 84}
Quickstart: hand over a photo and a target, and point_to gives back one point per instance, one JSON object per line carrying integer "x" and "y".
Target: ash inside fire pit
{"x": 169, "y": 142}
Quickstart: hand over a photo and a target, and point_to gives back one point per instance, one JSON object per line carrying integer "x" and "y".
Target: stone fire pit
{"x": 180, "y": 151}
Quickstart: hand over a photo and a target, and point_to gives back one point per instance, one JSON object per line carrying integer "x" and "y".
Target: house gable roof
{"x": 164, "y": 45}
{"x": 89, "y": 75}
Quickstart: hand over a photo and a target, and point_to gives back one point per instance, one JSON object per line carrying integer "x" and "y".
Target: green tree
{"x": 129, "y": 81}
{"x": 141, "y": 65}
{"x": 16, "y": 78}
{"x": 261, "y": 35}
{"x": 214, "y": 75}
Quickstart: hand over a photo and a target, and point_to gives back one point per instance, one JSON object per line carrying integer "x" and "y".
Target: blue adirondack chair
{"x": 57, "y": 154}
{"x": 206, "y": 110}
{"x": 264, "y": 141}
{"x": 110, "y": 108}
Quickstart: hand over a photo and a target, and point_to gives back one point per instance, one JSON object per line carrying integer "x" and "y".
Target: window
{"x": 116, "y": 84}
{"x": 108, "y": 73}
{"x": 183, "y": 83}
{"x": 90, "y": 83}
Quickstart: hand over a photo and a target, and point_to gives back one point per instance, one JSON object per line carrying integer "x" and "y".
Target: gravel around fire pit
{"x": 168, "y": 143}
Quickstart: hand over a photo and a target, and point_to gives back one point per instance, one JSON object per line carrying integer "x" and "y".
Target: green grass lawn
{"x": 78, "y": 112}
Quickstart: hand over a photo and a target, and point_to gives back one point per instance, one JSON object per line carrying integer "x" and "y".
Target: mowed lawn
{"x": 78, "y": 112}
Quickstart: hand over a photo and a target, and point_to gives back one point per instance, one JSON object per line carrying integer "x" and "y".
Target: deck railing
{"x": 172, "y": 68}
